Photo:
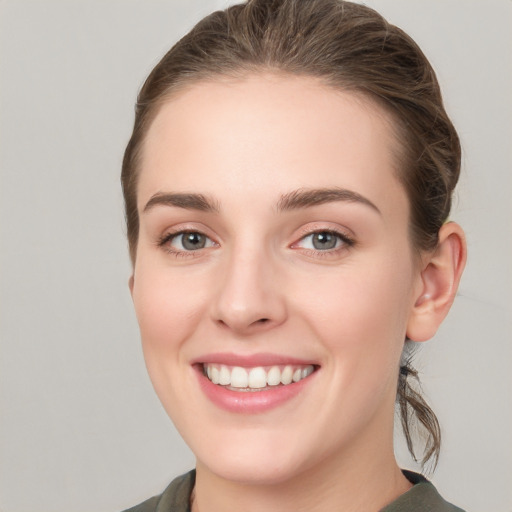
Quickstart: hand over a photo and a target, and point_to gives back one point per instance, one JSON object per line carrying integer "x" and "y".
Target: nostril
{"x": 262, "y": 320}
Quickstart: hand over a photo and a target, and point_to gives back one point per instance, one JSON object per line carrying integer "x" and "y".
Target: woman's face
{"x": 273, "y": 256}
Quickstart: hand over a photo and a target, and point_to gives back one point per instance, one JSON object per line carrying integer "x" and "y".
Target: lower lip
{"x": 251, "y": 402}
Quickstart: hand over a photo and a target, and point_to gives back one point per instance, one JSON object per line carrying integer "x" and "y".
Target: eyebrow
{"x": 306, "y": 198}
{"x": 295, "y": 200}
{"x": 188, "y": 201}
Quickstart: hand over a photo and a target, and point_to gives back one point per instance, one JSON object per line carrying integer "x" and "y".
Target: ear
{"x": 438, "y": 283}
{"x": 131, "y": 282}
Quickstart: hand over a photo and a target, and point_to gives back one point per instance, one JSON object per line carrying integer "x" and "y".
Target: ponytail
{"x": 416, "y": 413}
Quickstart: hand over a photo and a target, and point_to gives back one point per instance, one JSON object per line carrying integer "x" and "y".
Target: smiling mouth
{"x": 258, "y": 378}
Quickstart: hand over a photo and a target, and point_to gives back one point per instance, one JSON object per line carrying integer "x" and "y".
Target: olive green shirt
{"x": 422, "y": 497}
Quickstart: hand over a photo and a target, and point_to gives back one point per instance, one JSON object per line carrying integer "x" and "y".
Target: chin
{"x": 269, "y": 470}
{"x": 257, "y": 456}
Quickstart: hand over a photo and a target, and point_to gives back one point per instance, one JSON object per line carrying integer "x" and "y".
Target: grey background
{"x": 80, "y": 426}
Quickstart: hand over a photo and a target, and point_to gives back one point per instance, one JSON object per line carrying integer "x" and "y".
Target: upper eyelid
{"x": 346, "y": 239}
{"x": 331, "y": 231}
{"x": 171, "y": 235}
{"x": 319, "y": 227}
{"x": 187, "y": 227}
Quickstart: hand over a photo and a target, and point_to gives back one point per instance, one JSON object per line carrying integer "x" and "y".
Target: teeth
{"x": 215, "y": 377}
{"x": 224, "y": 376}
{"x": 287, "y": 375}
{"x": 258, "y": 377}
{"x": 274, "y": 376}
{"x": 239, "y": 377}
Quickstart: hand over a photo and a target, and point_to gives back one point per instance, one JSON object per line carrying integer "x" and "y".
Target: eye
{"x": 186, "y": 241}
{"x": 323, "y": 241}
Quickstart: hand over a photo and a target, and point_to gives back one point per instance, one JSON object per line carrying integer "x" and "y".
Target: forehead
{"x": 267, "y": 133}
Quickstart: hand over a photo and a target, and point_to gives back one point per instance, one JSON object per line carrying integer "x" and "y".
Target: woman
{"x": 287, "y": 186}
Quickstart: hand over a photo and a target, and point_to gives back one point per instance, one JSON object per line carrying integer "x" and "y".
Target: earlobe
{"x": 131, "y": 282}
{"x": 439, "y": 281}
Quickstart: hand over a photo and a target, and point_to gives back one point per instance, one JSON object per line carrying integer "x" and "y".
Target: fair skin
{"x": 297, "y": 254}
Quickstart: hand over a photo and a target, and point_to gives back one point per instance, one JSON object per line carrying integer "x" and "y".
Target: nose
{"x": 250, "y": 297}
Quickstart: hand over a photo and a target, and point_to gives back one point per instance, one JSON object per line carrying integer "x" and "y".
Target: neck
{"x": 366, "y": 482}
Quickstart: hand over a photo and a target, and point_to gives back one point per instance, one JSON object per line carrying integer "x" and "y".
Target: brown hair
{"x": 350, "y": 47}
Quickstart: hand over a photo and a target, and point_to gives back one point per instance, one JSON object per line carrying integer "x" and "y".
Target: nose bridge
{"x": 248, "y": 296}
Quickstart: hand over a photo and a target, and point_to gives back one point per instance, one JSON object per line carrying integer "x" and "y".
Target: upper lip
{"x": 250, "y": 360}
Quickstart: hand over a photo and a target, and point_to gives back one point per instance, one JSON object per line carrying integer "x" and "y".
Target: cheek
{"x": 375, "y": 299}
{"x": 168, "y": 307}
{"x": 361, "y": 315}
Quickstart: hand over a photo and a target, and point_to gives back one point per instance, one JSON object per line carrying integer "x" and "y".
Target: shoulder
{"x": 175, "y": 498}
{"x": 422, "y": 497}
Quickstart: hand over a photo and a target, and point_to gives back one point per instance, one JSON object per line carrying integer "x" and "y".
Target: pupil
{"x": 324, "y": 240}
{"x": 193, "y": 241}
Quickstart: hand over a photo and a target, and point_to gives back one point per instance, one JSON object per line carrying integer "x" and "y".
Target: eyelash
{"x": 346, "y": 243}
{"x": 165, "y": 243}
